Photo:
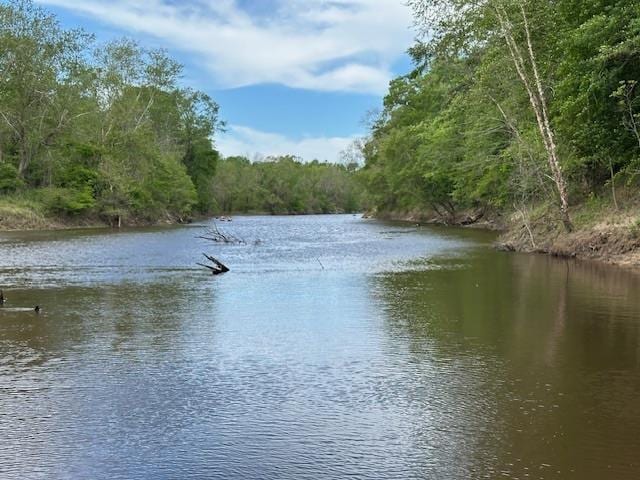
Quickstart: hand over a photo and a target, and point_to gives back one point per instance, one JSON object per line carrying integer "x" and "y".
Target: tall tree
{"x": 459, "y": 26}
{"x": 38, "y": 61}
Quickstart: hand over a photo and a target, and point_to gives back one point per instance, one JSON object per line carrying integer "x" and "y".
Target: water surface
{"x": 335, "y": 347}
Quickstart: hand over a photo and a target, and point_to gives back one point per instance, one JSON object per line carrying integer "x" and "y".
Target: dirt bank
{"x": 614, "y": 239}
{"x": 602, "y": 233}
{"x": 25, "y": 217}
{"x": 468, "y": 218}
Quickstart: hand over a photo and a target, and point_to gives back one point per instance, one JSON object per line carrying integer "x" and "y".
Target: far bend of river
{"x": 336, "y": 347}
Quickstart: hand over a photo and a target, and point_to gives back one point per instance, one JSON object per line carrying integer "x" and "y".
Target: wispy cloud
{"x": 245, "y": 141}
{"x": 327, "y": 45}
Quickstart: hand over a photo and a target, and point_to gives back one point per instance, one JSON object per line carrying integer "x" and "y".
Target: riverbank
{"x": 603, "y": 232}
{"x": 24, "y": 214}
{"x": 467, "y": 218}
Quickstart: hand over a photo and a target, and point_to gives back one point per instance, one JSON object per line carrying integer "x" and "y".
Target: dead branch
{"x": 214, "y": 234}
{"x": 217, "y": 268}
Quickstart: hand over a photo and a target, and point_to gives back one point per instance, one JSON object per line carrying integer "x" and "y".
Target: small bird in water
{"x": 37, "y": 309}
{"x": 2, "y": 299}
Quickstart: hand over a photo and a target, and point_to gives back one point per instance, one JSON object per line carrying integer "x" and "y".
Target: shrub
{"x": 67, "y": 201}
{"x": 9, "y": 179}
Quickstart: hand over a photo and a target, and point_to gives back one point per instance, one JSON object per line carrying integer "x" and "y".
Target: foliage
{"x": 106, "y": 131}
{"x": 9, "y": 179}
{"x": 99, "y": 130}
{"x": 66, "y": 201}
{"x": 285, "y": 185}
{"x": 460, "y": 130}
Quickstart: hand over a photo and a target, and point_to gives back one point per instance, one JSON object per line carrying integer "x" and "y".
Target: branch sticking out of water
{"x": 217, "y": 268}
{"x": 214, "y": 234}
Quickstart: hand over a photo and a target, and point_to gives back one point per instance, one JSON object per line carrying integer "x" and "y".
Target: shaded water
{"x": 336, "y": 347}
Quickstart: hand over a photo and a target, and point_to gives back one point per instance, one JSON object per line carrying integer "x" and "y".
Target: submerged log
{"x": 3, "y": 300}
{"x": 217, "y": 268}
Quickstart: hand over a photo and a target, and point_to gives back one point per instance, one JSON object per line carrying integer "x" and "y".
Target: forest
{"x": 107, "y": 133}
{"x": 286, "y": 185}
{"x": 103, "y": 130}
{"x": 514, "y": 107}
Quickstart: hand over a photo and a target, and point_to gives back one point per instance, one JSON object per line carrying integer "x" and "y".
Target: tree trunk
{"x": 553, "y": 151}
{"x": 538, "y": 103}
{"x": 24, "y": 161}
{"x": 613, "y": 184}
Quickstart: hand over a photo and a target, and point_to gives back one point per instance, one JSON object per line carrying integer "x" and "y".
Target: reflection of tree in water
{"x": 539, "y": 356}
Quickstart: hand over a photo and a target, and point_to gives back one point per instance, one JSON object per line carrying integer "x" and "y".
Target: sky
{"x": 291, "y": 76}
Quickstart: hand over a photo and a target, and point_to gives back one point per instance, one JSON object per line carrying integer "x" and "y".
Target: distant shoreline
{"x": 46, "y": 223}
{"x": 607, "y": 238}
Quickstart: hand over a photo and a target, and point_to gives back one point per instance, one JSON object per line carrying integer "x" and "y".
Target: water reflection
{"x": 415, "y": 353}
{"x": 537, "y": 362}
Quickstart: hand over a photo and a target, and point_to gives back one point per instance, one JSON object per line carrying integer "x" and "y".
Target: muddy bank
{"x": 616, "y": 244}
{"x": 468, "y": 218}
{"x": 611, "y": 237}
{"x": 17, "y": 219}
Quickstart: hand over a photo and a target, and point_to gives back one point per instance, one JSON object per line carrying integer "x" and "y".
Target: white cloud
{"x": 329, "y": 45}
{"x": 248, "y": 142}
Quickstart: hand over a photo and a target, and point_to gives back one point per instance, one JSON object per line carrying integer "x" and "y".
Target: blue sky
{"x": 291, "y": 76}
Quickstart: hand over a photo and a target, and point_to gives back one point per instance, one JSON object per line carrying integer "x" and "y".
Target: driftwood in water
{"x": 217, "y": 268}
{"x": 214, "y": 234}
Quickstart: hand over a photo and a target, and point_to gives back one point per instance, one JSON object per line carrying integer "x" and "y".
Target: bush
{"x": 67, "y": 201}
{"x": 9, "y": 180}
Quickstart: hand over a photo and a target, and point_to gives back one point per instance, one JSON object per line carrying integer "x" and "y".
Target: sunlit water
{"x": 336, "y": 347}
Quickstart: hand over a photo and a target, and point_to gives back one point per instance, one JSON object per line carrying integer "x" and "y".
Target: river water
{"x": 336, "y": 347}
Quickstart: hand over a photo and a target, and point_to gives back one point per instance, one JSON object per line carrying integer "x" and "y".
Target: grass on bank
{"x": 605, "y": 229}
{"x": 17, "y": 212}
{"x": 45, "y": 208}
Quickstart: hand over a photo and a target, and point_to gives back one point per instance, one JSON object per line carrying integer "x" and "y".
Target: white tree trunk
{"x": 538, "y": 103}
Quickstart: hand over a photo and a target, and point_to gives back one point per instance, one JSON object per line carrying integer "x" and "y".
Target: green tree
{"x": 39, "y": 62}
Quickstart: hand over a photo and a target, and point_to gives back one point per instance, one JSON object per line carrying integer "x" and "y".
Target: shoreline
{"x": 61, "y": 224}
{"x": 607, "y": 240}
{"x": 84, "y": 224}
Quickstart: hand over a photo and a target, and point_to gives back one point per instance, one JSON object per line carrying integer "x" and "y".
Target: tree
{"x": 99, "y": 131}
{"x": 460, "y": 24}
{"x": 39, "y": 61}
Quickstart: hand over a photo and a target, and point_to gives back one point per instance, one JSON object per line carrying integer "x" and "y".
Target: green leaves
{"x": 100, "y": 131}
{"x": 460, "y": 131}
{"x": 67, "y": 201}
{"x": 9, "y": 178}
{"x": 285, "y": 185}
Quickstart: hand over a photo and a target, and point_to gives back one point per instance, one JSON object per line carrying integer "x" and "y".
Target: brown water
{"x": 335, "y": 347}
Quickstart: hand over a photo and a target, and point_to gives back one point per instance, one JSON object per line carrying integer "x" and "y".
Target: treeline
{"x": 285, "y": 185}
{"x": 512, "y": 104}
{"x": 106, "y": 132}
{"x": 99, "y": 130}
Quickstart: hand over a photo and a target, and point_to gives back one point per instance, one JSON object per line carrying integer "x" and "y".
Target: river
{"x": 336, "y": 347}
